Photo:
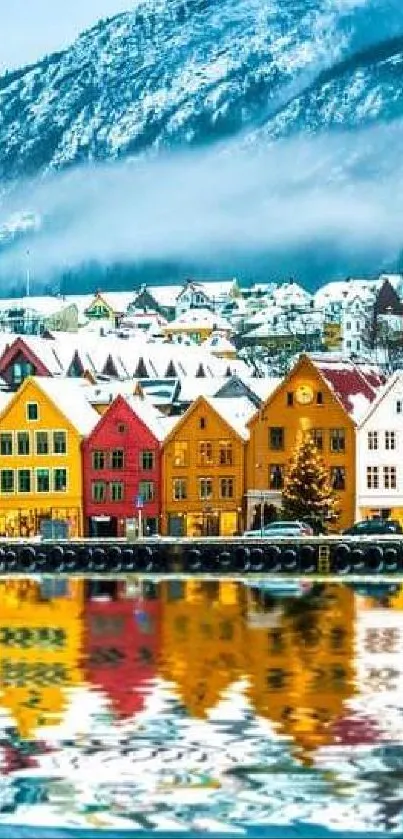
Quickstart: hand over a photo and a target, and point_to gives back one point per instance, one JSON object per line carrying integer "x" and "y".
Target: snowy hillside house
{"x": 355, "y": 327}
{"x": 110, "y": 306}
{"x": 208, "y": 295}
{"x": 380, "y": 455}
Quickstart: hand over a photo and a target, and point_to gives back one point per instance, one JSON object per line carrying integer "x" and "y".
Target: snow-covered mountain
{"x": 175, "y": 73}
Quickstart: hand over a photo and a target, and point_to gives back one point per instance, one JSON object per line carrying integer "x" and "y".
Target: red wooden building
{"x": 122, "y": 469}
{"x": 121, "y": 642}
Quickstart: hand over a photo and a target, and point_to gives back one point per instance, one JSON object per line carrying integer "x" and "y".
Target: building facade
{"x": 41, "y": 430}
{"x": 380, "y": 455}
{"x": 203, "y": 472}
{"x": 316, "y": 398}
{"x": 122, "y": 470}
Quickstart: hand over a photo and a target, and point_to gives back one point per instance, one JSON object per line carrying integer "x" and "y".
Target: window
{"x": 179, "y": 489}
{"x": 205, "y": 489}
{"x": 205, "y": 453}
{"x": 390, "y": 440}
{"x": 32, "y": 411}
{"x": 181, "y": 453}
{"x": 42, "y": 480}
{"x": 337, "y": 440}
{"x": 42, "y": 442}
{"x": 122, "y": 428}
{"x": 98, "y": 491}
{"x": 7, "y": 480}
{"x": 226, "y": 487}
{"x": 348, "y": 325}
{"x": 59, "y": 442}
{"x": 117, "y": 459}
{"x": 317, "y": 438}
{"x": 338, "y": 477}
{"x": 389, "y": 477}
{"x": 147, "y": 490}
{"x": 372, "y": 477}
{"x": 276, "y": 476}
{"x": 276, "y": 438}
{"x": 319, "y": 398}
{"x": 24, "y": 480}
{"x": 116, "y": 489}
{"x": 372, "y": 440}
{"x": 23, "y": 442}
{"x": 290, "y": 398}
{"x": 98, "y": 460}
{"x": 399, "y": 406}
{"x": 225, "y": 453}
{"x": 6, "y": 443}
{"x": 202, "y": 422}
{"x": 20, "y": 371}
{"x": 147, "y": 460}
{"x": 60, "y": 480}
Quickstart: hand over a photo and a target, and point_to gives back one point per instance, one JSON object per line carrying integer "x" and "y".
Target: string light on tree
{"x": 307, "y": 492}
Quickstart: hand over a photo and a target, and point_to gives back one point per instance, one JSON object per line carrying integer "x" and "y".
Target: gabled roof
{"x": 71, "y": 398}
{"x": 235, "y": 419}
{"x": 396, "y": 380}
{"x": 349, "y": 386}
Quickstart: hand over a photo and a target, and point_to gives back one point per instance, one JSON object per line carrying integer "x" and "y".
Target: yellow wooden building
{"x": 320, "y": 398}
{"x": 203, "y": 461}
{"x": 301, "y": 664}
{"x": 203, "y": 640}
{"x": 40, "y": 650}
{"x": 41, "y": 430}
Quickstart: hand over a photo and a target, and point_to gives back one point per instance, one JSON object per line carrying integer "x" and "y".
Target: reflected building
{"x": 203, "y": 640}
{"x": 121, "y": 641}
{"x": 301, "y": 662}
{"x": 40, "y": 649}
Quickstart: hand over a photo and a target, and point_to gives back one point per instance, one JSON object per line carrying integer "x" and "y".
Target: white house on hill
{"x": 380, "y": 454}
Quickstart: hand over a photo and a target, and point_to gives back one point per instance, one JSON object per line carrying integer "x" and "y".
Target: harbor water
{"x": 196, "y": 707}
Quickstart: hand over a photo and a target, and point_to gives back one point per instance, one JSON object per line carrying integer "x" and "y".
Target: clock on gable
{"x": 304, "y": 394}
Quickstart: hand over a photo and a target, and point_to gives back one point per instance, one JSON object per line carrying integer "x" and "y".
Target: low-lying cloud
{"x": 202, "y": 204}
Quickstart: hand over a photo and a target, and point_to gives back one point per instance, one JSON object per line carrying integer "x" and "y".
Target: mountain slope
{"x": 172, "y": 72}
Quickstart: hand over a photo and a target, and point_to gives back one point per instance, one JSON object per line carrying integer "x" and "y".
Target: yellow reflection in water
{"x": 40, "y": 649}
{"x": 203, "y": 639}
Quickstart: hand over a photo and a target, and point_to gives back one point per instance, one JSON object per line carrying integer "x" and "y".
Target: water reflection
{"x": 200, "y": 704}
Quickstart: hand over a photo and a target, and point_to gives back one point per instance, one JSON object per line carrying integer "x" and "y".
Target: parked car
{"x": 281, "y": 530}
{"x": 373, "y": 527}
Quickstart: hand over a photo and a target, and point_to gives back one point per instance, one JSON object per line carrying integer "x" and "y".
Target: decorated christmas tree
{"x": 307, "y": 492}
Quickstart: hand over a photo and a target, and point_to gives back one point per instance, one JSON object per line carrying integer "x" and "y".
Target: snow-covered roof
{"x": 158, "y": 424}
{"x": 218, "y": 344}
{"x": 41, "y": 305}
{"x": 394, "y": 382}
{"x": 342, "y": 291}
{"x": 235, "y": 412}
{"x": 70, "y": 396}
{"x": 351, "y": 385}
{"x": 199, "y": 319}
{"x": 117, "y": 301}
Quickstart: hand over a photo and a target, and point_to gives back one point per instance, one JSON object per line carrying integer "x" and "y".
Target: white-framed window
{"x": 23, "y": 442}
{"x": 205, "y": 489}
{"x": 390, "y": 440}
{"x": 24, "y": 480}
{"x": 32, "y": 411}
{"x": 6, "y": 481}
{"x": 60, "y": 479}
{"x": 389, "y": 477}
{"x": 42, "y": 442}
{"x": 373, "y": 440}
{"x": 116, "y": 490}
{"x": 42, "y": 480}
{"x": 147, "y": 490}
{"x": 6, "y": 443}
{"x": 372, "y": 477}
{"x": 179, "y": 489}
{"x": 226, "y": 487}
{"x": 98, "y": 491}
{"x": 59, "y": 442}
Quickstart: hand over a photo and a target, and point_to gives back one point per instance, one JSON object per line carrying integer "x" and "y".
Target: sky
{"x": 30, "y": 29}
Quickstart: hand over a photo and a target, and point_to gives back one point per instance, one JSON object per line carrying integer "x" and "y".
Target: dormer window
{"x": 319, "y": 398}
